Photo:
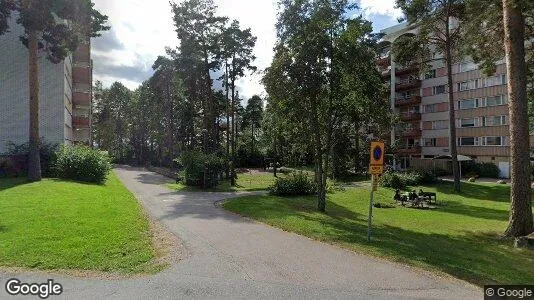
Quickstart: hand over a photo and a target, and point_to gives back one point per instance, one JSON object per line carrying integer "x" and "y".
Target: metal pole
{"x": 370, "y": 220}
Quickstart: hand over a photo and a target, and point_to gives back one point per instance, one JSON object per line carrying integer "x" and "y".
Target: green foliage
{"x": 401, "y": 180}
{"x": 41, "y": 16}
{"x": 18, "y": 166}
{"x": 489, "y": 170}
{"x": 392, "y": 180}
{"x": 486, "y": 170}
{"x": 82, "y": 163}
{"x": 201, "y": 170}
{"x": 296, "y": 184}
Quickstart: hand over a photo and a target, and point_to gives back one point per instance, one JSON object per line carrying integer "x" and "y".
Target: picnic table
{"x": 416, "y": 199}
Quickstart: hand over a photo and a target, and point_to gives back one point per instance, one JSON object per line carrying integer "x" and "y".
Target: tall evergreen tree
{"x": 43, "y": 32}
{"x": 307, "y": 81}
{"x": 505, "y": 28}
{"x": 438, "y": 32}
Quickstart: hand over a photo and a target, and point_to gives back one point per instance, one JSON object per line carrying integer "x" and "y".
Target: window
{"x": 431, "y": 108}
{"x": 468, "y": 103}
{"x": 431, "y": 142}
{"x": 467, "y": 66}
{"x": 493, "y": 141}
{"x": 494, "y": 121}
{"x": 495, "y": 101}
{"x": 463, "y": 86}
{"x": 430, "y": 74}
{"x": 440, "y": 89}
{"x": 468, "y": 141}
{"x": 472, "y": 122}
{"x": 495, "y": 80}
{"x": 443, "y": 124}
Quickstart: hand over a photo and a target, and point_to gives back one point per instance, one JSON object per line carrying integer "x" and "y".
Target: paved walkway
{"x": 230, "y": 257}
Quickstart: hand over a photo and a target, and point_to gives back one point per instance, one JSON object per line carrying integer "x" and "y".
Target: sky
{"x": 140, "y": 31}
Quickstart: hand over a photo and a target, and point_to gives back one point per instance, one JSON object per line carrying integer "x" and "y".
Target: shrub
{"x": 296, "y": 184}
{"x": 383, "y": 205}
{"x": 201, "y": 170}
{"x": 488, "y": 170}
{"x": 392, "y": 179}
{"x": 47, "y": 154}
{"x": 285, "y": 170}
{"x": 82, "y": 163}
{"x": 400, "y": 180}
{"x": 13, "y": 166}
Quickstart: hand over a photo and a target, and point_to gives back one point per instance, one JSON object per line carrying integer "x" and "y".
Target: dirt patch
{"x": 169, "y": 248}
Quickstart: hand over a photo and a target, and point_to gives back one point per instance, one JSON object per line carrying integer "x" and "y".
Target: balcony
{"x": 408, "y": 84}
{"x": 403, "y": 70}
{"x": 383, "y": 61}
{"x": 81, "y": 122}
{"x": 410, "y": 150}
{"x": 81, "y": 75}
{"x": 413, "y": 100}
{"x": 411, "y": 133}
{"x": 83, "y": 53}
{"x": 81, "y": 99}
{"x": 411, "y": 116}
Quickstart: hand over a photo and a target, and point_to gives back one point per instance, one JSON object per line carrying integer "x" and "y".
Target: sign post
{"x": 376, "y": 168}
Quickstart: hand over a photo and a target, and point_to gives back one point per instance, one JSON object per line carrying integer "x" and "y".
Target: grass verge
{"x": 460, "y": 238}
{"x": 62, "y": 225}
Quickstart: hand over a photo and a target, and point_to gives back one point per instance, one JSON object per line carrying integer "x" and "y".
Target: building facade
{"x": 421, "y": 101}
{"x": 64, "y": 94}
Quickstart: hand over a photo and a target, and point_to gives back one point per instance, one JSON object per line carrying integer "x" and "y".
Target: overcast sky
{"x": 142, "y": 29}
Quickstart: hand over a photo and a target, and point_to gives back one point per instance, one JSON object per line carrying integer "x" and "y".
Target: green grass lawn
{"x": 245, "y": 182}
{"x": 56, "y": 224}
{"x": 460, "y": 238}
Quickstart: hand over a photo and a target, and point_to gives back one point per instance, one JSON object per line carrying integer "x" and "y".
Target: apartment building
{"x": 421, "y": 100}
{"x": 64, "y": 94}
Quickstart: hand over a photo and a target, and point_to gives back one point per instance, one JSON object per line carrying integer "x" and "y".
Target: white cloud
{"x": 380, "y": 7}
{"x": 145, "y": 28}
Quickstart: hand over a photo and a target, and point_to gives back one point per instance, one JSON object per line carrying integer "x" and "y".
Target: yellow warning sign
{"x": 376, "y": 170}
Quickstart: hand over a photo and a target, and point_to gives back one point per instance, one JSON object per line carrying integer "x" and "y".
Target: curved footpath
{"x": 231, "y": 257}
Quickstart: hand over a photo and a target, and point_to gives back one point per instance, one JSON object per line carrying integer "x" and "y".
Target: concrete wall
{"x": 14, "y": 93}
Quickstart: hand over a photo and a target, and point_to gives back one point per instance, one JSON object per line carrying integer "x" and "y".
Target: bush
{"x": 47, "y": 155}
{"x": 284, "y": 170}
{"x": 82, "y": 163}
{"x": 488, "y": 170}
{"x": 201, "y": 170}
{"x": 13, "y": 166}
{"x": 392, "y": 180}
{"x": 296, "y": 184}
{"x": 400, "y": 180}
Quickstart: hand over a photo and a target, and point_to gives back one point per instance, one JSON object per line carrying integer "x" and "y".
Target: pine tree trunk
{"x": 227, "y": 121}
{"x": 234, "y": 133}
{"x": 319, "y": 173}
{"x": 452, "y": 115}
{"x": 520, "y": 222}
{"x": 356, "y": 148}
{"x": 34, "y": 160}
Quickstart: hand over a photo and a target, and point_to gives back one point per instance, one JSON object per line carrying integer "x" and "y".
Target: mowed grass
{"x": 244, "y": 182}
{"x": 460, "y": 238}
{"x": 55, "y": 224}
